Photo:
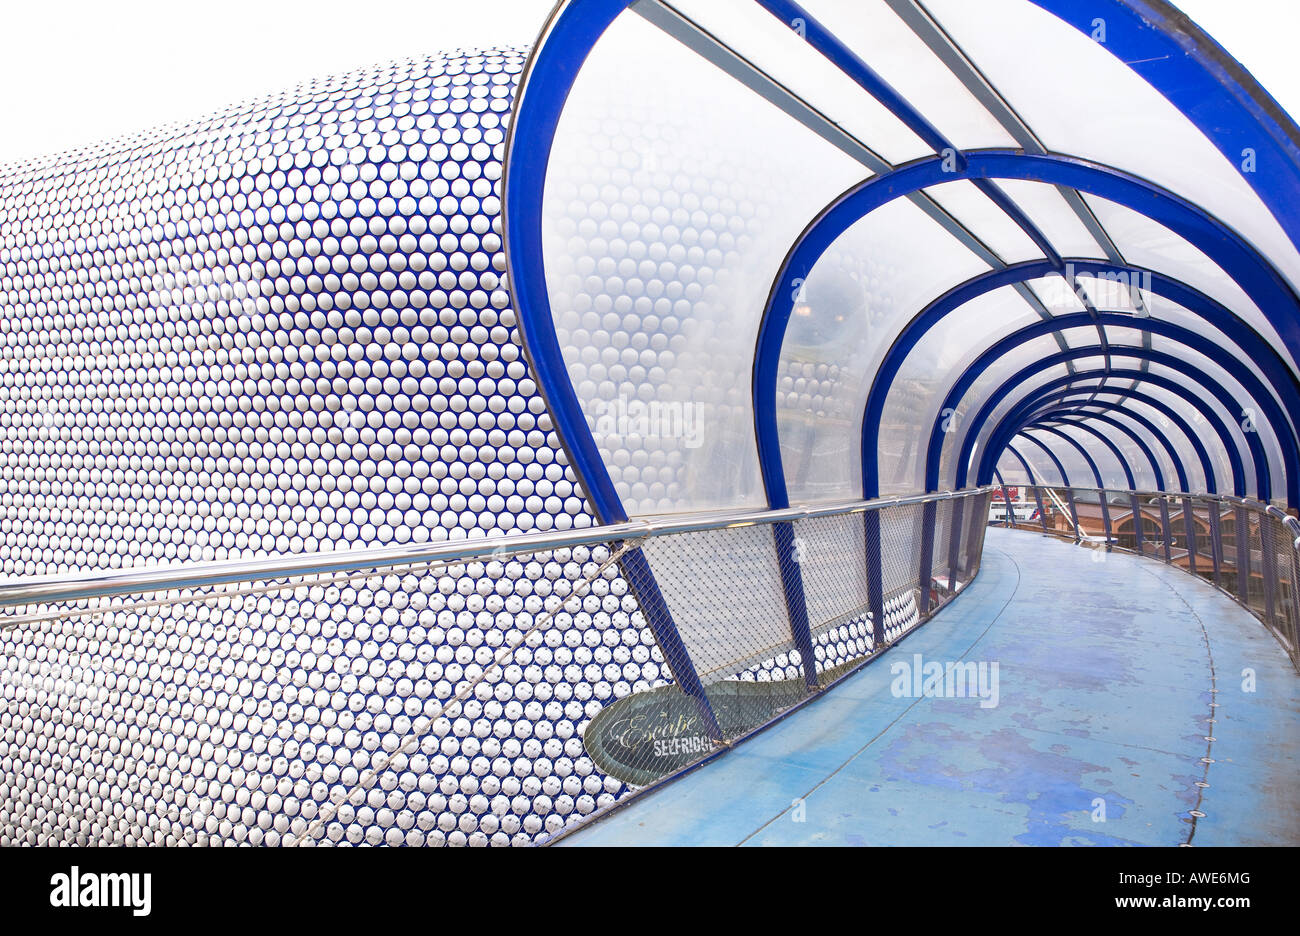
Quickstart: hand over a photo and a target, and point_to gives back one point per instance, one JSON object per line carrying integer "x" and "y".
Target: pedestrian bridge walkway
{"x": 1135, "y": 705}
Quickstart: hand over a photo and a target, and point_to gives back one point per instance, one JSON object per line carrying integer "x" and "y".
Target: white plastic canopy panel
{"x": 979, "y": 215}
{"x": 1057, "y": 295}
{"x": 1164, "y": 460}
{"x": 1047, "y": 208}
{"x": 1110, "y": 292}
{"x": 1112, "y": 473}
{"x": 1077, "y": 469}
{"x": 777, "y": 49}
{"x": 1248, "y": 416}
{"x": 662, "y": 232}
{"x": 1012, "y": 471}
{"x": 1120, "y": 121}
{"x": 1125, "y": 337}
{"x": 818, "y": 415}
{"x": 973, "y": 401}
{"x": 1169, "y": 311}
{"x": 915, "y": 399}
{"x": 1044, "y": 469}
{"x": 880, "y": 38}
{"x": 1199, "y": 425}
{"x": 882, "y": 271}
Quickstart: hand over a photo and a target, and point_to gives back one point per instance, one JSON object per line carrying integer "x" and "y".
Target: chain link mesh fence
{"x": 499, "y": 699}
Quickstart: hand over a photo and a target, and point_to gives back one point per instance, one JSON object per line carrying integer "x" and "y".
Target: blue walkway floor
{"x": 1110, "y": 668}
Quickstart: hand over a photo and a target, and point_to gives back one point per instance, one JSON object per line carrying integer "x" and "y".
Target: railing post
{"x": 1042, "y": 514}
{"x": 1136, "y": 503}
{"x": 1074, "y": 512}
{"x": 1105, "y": 516}
{"x": 1189, "y": 534}
{"x": 1216, "y": 541}
{"x": 661, "y": 623}
{"x": 1166, "y": 531}
{"x": 1243, "y": 554}
{"x": 1295, "y": 594}
{"x": 954, "y": 541}
{"x": 796, "y": 604}
{"x": 926, "y": 570}
{"x": 875, "y": 578}
{"x": 1267, "y": 565}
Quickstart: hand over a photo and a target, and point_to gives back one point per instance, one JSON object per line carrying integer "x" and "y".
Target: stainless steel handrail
{"x": 143, "y": 580}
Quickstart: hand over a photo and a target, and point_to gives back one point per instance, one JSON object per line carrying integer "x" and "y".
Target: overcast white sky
{"x": 77, "y": 71}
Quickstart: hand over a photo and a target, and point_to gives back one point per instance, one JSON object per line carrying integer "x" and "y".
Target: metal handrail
{"x": 143, "y": 580}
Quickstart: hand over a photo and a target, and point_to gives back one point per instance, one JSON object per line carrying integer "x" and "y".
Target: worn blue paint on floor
{"x": 1109, "y": 668}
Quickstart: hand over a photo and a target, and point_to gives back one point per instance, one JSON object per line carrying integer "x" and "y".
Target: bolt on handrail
{"x": 146, "y": 579}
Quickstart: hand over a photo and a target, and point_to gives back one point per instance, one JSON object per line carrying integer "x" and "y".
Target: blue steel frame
{"x": 1065, "y": 479}
{"x": 1189, "y": 70}
{"x": 1234, "y": 456}
{"x": 1016, "y": 418}
{"x": 1256, "y": 276}
{"x": 1123, "y": 463}
{"x": 1053, "y": 425}
{"x": 1175, "y": 460}
{"x": 552, "y": 66}
{"x": 1207, "y": 465}
{"x": 1085, "y": 421}
{"x": 1096, "y": 473}
{"x": 1204, "y": 82}
{"x": 1224, "y": 398}
{"x": 1253, "y": 346}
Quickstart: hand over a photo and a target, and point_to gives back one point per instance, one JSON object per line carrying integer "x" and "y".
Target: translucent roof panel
{"x": 662, "y": 234}
{"x": 880, "y": 38}
{"x": 986, "y": 221}
{"x": 1044, "y": 470}
{"x": 1081, "y": 99}
{"x": 779, "y": 51}
{"x": 873, "y": 280}
{"x": 1047, "y": 208}
{"x": 709, "y": 146}
{"x": 1012, "y": 470}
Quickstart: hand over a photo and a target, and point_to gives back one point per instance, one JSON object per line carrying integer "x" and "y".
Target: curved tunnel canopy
{"x": 838, "y": 249}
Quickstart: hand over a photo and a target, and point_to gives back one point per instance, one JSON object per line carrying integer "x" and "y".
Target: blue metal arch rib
{"x": 1083, "y": 420}
{"x": 1268, "y": 362}
{"x": 1084, "y": 410}
{"x": 1238, "y": 259}
{"x": 1011, "y": 421}
{"x": 1238, "y": 480}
